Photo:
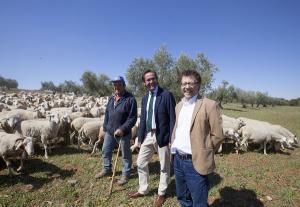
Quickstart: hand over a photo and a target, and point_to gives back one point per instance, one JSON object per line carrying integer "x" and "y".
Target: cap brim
{"x": 117, "y": 81}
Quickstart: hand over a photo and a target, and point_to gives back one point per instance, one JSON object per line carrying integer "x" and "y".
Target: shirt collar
{"x": 190, "y": 101}
{"x": 155, "y": 91}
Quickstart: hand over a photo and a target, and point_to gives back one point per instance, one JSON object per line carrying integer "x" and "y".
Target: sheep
{"x": 134, "y": 131}
{"x": 235, "y": 124}
{"x": 77, "y": 123}
{"x": 20, "y": 104}
{"x": 45, "y": 130}
{"x": 231, "y": 134}
{"x": 260, "y": 133}
{"x": 62, "y": 111}
{"x": 4, "y": 107}
{"x": 77, "y": 114}
{"x": 97, "y": 111}
{"x": 230, "y": 129}
{"x": 90, "y": 130}
{"x": 13, "y": 117}
{"x": 291, "y": 138}
{"x": 24, "y": 114}
{"x": 101, "y": 135}
{"x": 12, "y": 146}
{"x": 100, "y": 139}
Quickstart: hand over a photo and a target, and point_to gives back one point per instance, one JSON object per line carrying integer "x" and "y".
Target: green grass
{"x": 240, "y": 180}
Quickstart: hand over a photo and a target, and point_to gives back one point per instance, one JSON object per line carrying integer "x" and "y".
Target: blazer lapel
{"x": 157, "y": 100}
{"x": 196, "y": 109}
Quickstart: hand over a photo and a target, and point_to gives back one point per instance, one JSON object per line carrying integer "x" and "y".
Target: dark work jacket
{"x": 164, "y": 113}
{"x": 122, "y": 116}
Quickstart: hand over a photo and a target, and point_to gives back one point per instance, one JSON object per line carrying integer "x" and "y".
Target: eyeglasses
{"x": 189, "y": 84}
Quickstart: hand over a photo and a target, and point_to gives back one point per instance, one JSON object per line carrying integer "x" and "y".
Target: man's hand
{"x": 119, "y": 133}
{"x": 136, "y": 145}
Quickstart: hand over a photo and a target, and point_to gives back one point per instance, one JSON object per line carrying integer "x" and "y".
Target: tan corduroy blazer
{"x": 205, "y": 132}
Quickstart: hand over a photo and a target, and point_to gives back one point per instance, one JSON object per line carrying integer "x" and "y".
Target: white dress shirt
{"x": 153, "y": 117}
{"x": 182, "y": 142}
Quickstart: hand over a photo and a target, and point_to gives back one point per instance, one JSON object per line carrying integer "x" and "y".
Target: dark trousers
{"x": 191, "y": 187}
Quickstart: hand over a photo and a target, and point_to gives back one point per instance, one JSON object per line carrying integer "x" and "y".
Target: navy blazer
{"x": 164, "y": 113}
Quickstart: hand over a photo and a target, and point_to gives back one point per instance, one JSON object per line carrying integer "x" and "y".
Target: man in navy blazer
{"x": 156, "y": 126}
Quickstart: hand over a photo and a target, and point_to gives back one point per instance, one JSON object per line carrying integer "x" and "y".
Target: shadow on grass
{"x": 61, "y": 150}
{"x": 214, "y": 179}
{"x": 230, "y": 197}
{"x": 253, "y": 147}
{"x": 67, "y": 150}
{"x": 49, "y": 172}
{"x": 227, "y": 148}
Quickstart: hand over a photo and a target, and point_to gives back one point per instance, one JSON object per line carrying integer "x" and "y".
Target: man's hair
{"x": 194, "y": 73}
{"x": 149, "y": 71}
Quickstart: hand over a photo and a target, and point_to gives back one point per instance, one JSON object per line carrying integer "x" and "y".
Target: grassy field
{"x": 248, "y": 179}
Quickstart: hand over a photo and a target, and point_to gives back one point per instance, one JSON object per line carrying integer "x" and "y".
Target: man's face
{"x": 119, "y": 87}
{"x": 150, "y": 81}
{"x": 189, "y": 86}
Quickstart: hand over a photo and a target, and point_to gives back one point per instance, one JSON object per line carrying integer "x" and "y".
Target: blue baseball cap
{"x": 118, "y": 79}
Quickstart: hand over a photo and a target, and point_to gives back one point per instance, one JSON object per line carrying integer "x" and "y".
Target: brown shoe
{"x": 135, "y": 195}
{"x": 159, "y": 200}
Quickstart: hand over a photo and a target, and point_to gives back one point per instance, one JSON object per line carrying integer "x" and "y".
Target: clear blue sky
{"x": 254, "y": 43}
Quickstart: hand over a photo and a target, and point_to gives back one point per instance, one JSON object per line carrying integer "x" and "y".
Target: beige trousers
{"x": 148, "y": 148}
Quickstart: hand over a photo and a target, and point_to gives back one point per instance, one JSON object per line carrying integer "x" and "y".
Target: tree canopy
{"x": 8, "y": 83}
{"x": 168, "y": 70}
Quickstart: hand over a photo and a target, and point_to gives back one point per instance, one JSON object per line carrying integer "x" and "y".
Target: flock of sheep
{"x": 27, "y": 119}
{"x": 243, "y": 131}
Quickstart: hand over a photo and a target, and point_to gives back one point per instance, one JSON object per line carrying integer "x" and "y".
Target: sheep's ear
{"x": 19, "y": 145}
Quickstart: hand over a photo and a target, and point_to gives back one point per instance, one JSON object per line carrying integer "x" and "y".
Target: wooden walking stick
{"x": 114, "y": 169}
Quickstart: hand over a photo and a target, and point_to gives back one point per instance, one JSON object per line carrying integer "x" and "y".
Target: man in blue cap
{"x": 120, "y": 117}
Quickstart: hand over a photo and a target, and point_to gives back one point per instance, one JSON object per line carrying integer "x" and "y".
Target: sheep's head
{"x": 241, "y": 123}
{"x": 12, "y": 122}
{"x": 54, "y": 118}
{"x": 296, "y": 139}
{"x": 3, "y": 123}
{"x": 28, "y": 145}
{"x": 66, "y": 119}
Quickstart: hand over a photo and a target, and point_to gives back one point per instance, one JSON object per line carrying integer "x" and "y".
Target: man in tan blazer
{"x": 196, "y": 136}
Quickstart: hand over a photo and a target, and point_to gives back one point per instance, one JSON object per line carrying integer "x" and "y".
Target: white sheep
{"x": 261, "y": 134}
{"x": 230, "y": 130}
{"x": 97, "y": 111}
{"x": 229, "y": 122}
{"x": 90, "y": 131}
{"x": 291, "y": 138}
{"x": 77, "y": 123}
{"x": 15, "y": 116}
{"x": 45, "y": 130}
{"x": 13, "y": 146}
{"x": 101, "y": 135}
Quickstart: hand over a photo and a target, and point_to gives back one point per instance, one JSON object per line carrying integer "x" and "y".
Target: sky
{"x": 255, "y": 44}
